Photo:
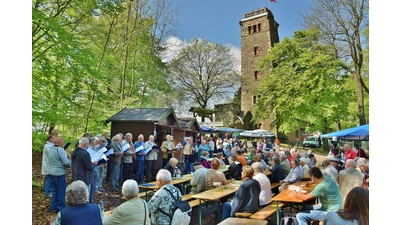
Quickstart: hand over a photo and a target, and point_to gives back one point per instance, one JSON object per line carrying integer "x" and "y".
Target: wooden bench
{"x": 194, "y": 203}
{"x": 261, "y": 214}
{"x": 266, "y": 212}
{"x": 187, "y": 197}
{"x": 274, "y": 185}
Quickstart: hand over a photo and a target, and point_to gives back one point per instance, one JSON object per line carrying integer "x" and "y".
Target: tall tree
{"x": 341, "y": 24}
{"x": 204, "y": 72}
{"x": 304, "y": 86}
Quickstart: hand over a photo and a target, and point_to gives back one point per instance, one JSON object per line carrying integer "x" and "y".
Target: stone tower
{"x": 259, "y": 33}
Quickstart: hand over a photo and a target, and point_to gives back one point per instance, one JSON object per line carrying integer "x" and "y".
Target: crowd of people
{"x": 124, "y": 162}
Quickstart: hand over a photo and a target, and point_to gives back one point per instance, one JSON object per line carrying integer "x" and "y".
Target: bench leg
{"x": 219, "y": 213}
{"x": 277, "y": 213}
{"x": 200, "y": 213}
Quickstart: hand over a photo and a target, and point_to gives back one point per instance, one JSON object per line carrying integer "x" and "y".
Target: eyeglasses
{"x": 102, "y": 141}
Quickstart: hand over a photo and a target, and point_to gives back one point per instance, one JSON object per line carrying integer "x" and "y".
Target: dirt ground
{"x": 41, "y": 204}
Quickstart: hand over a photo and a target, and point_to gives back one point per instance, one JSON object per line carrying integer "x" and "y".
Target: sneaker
{"x": 101, "y": 189}
{"x": 48, "y": 196}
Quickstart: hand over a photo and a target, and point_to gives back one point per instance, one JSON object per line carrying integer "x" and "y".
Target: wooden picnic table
{"x": 152, "y": 186}
{"x": 288, "y": 199}
{"x": 215, "y": 194}
{"x": 240, "y": 221}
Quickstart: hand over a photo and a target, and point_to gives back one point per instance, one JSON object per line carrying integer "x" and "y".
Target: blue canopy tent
{"x": 228, "y": 130}
{"x": 206, "y": 129}
{"x": 354, "y": 133}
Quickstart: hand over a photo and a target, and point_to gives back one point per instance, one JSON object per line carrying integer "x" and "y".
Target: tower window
{"x": 254, "y": 28}
{"x": 249, "y": 29}
{"x": 256, "y": 50}
{"x": 259, "y": 27}
{"x": 256, "y": 76}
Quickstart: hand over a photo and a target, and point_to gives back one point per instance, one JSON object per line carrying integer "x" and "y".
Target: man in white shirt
{"x": 265, "y": 184}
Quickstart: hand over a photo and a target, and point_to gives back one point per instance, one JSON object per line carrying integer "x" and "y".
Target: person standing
{"x": 115, "y": 161}
{"x": 58, "y": 164}
{"x": 140, "y": 157}
{"x": 166, "y": 150}
{"x": 189, "y": 152}
{"x": 99, "y": 183}
{"x": 92, "y": 150}
{"x": 151, "y": 160}
{"x": 127, "y": 158}
{"x": 82, "y": 166}
{"x": 45, "y": 164}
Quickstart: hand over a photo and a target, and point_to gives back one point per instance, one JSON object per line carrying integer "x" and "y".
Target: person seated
{"x": 329, "y": 170}
{"x": 198, "y": 181}
{"x": 294, "y": 176}
{"x": 337, "y": 164}
{"x": 265, "y": 184}
{"x": 240, "y": 158}
{"x": 246, "y": 199}
{"x": 285, "y": 163}
{"x": 328, "y": 193}
{"x": 355, "y": 209}
{"x": 213, "y": 175}
{"x": 277, "y": 171}
{"x": 304, "y": 167}
{"x": 361, "y": 153}
{"x": 257, "y": 158}
{"x": 204, "y": 160}
{"x": 79, "y": 210}
{"x": 235, "y": 168}
{"x": 173, "y": 168}
{"x": 123, "y": 213}
{"x": 220, "y": 157}
{"x": 311, "y": 160}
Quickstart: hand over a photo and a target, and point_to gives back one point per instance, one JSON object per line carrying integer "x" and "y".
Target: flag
{"x": 272, "y": 1}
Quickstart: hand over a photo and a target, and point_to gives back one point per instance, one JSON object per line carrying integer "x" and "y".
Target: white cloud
{"x": 174, "y": 46}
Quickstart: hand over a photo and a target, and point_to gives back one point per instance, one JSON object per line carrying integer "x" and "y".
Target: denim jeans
{"x": 59, "y": 185}
{"x": 226, "y": 210}
{"x": 47, "y": 185}
{"x": 189, "y": 167}
{"x": 114, "y": 175}
{"x": 93, "y": 185}
{"x": 101, "y": 176}
{"x": 139, "y": 171}
{"x": 310, "y": 214}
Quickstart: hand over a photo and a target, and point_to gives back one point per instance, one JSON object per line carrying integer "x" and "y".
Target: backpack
{"x": 181, "y": 211}
{"x": 289, "y": 221}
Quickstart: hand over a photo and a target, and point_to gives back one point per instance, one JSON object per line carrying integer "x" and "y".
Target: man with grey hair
{"x": 265, "y": 184}
{"x": 79, "y": 210}
{"x": 115, "y": 161}
{"x": 198, "y": 181}
{"x": 127, "y": 161}
{"x": 123, "y": 213}
{"x": 57, "y": 168}
{"x": 329, "y": 170}
{"x": 162, "y": 202}
{"x": 167, "y": 150}
{"x": 45, "y": 164}
{"x": 82, "y": 166}
{"x": 151, "y": 160}
{"x": 92, "y": 150}
{"x": 285, "y": 164}
{"x": 349, "y": 178}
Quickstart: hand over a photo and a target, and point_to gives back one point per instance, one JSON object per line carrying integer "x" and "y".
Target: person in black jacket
{"x": 82, "y": 166}
{"x": 246, "y": 199}
{"x": 235, "y": 168}
{"x": 173, "y": 168}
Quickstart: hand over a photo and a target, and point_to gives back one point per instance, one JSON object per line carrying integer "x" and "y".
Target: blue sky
{"x": 218, "y": 20}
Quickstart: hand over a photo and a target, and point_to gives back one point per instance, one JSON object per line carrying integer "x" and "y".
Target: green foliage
{"x": 90, "y": 59}
{"x": 305, "y": 86}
